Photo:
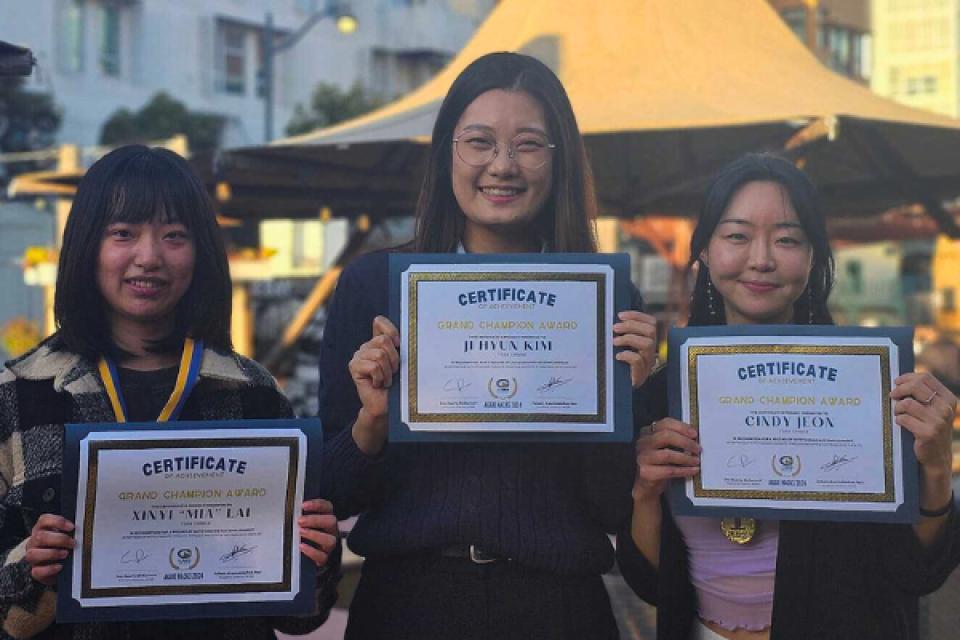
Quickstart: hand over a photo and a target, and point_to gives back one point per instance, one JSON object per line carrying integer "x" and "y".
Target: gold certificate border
{"x": 90, "y": 510}
{"x": 414, "y": 280}
{"x": 886, "y": 496}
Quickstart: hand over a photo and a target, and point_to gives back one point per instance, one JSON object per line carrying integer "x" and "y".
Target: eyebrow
{"x": 485, "y": 128}
{"x": 779, "y": 225}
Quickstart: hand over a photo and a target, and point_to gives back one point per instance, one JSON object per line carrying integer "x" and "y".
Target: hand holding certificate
{"x": 510, "y": 347}
{"x": 794, "y": 422}
{"x": 181, "y": 523}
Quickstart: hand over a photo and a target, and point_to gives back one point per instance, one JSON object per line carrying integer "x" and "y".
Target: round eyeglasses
{"x": 529, "y": 150}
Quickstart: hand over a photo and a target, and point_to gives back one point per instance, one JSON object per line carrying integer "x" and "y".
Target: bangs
{"x": 146, "y": 190}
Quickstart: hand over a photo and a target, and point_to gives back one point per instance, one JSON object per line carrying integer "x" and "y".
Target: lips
{"x": 501, "y": 192}
{"x": 759, "y": 287}
{"x": 146, "y": 286}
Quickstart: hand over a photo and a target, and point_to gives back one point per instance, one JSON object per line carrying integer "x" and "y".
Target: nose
{"x": 761, "y": 255}
{"x": 148, "y": 251}
{"x": 503, "y": 162}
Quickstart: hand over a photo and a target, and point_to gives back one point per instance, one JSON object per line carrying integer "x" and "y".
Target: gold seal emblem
{"x": 738, "y": 530}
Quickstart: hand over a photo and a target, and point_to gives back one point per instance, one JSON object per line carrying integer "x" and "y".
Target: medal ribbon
{"x": 187, "y": 377}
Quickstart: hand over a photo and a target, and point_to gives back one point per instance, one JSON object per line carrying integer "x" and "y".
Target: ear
{"x": 703, "y": 258}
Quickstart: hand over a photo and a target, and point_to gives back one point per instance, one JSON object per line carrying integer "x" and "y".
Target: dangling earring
{"x": 710, "y": 305}
{"x": 809, "y": 305}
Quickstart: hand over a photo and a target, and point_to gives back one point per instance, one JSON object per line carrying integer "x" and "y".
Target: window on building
{"x": 855, "y": 276}
{"x": 930, "y": 84}
{"x": 232, "y": 58}
{"x": 109, "y": 58}
{"x": 796, "y": 19}
{"x": 70, "y": 48}
{"x": 949, "y": 300}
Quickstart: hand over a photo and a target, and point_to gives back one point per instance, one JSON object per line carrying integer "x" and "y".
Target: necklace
{"x": 738, "y": 530}
{"x": 186, "y": 379}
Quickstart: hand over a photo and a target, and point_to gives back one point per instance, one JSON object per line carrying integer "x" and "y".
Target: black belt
{"x": 473, "y": 553}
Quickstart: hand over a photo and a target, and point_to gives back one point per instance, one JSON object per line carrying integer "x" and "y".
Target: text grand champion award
{"x": 509, "y": 347}
{"x": 187, "y": 519}
{"x": 795, "y": 422}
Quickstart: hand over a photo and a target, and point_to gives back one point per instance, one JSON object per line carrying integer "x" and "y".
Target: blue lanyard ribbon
{"x": 187, "y": 378}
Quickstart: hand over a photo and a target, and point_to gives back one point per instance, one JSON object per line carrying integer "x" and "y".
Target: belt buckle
{"x": 478, "y": 556}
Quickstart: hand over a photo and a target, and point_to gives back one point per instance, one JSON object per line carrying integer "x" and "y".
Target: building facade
{"x": 96, "y": 56}
{"x": 917, "y": 48}
{"x": 836, "y": 31}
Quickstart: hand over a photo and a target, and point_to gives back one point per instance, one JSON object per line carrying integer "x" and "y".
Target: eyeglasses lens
{"x": 530, "y": 151}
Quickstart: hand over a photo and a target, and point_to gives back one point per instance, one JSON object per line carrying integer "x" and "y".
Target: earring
{"x": 809, "y": 305}
{"x": 710, "y": 305}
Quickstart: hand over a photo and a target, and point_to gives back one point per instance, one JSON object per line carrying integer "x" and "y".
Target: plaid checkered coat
{"x": 49, "y": 387}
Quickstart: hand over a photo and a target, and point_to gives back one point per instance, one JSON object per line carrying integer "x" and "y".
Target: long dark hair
{"x": 565, "y": 222}
{"x": 811, "y": 306}
{"x": 137, "y": 184}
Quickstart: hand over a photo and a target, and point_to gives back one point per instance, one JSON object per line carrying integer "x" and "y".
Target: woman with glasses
{"x": 143, "y": 297}
{"x": 475, "y": 541}
{"x": 763, "y": 257}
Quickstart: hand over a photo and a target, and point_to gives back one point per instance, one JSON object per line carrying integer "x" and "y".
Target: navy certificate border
{"x": 907, "y": 512}
{"x": 622, "y": 390}
{"x": 69, "y": 609}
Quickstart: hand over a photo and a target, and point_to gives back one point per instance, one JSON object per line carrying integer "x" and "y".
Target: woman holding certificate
{"x": 763, "y": 257}
{"x": 477, "y": 540}
{"x": 143, "y": 295}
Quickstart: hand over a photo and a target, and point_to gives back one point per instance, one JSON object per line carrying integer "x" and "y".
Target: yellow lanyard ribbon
{"x": 187, "y": 377}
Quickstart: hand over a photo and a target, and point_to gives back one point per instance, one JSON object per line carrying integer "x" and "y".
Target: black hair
{"x": 137, "y": 184}
{"x": 811, "y": 306}
{"x": 565, "y": 222}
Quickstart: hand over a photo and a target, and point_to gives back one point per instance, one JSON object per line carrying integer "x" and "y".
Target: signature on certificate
{"x": 137, "y": 556}
{"x": 456, "y": 384}
{"x": 740, "y": 460}
{"x": 836, "y": 463}
{"x": 553, "y": 383}
{"x": 237, "y": 551}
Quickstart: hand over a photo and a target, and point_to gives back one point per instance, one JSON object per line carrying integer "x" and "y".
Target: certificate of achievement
{"x": 188, "y": 517}
{"x": 507, "y": 347}
{"x": 797, "y": 424}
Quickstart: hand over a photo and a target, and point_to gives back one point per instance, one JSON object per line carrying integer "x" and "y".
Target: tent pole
{"x": 319, "y": 296}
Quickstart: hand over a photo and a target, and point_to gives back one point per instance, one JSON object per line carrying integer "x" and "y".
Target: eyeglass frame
{"x": 511, "y": 151}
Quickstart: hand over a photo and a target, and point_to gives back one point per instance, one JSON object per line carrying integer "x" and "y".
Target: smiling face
{"x": 143, "y": 270}
{"x": 500, "y": 198}
{"x": 759, "y": 257}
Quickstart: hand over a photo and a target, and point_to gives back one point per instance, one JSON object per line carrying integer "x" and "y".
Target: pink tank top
{"x": 734, "y": 582}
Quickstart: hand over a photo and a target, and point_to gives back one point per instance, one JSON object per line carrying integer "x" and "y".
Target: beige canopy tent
{"x": 665, "y": 91}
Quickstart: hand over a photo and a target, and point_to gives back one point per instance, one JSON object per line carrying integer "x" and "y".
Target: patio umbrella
{"x": 665, "y": 92}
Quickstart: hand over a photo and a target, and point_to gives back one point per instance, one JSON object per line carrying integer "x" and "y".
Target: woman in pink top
{"x": 763, "y": 257}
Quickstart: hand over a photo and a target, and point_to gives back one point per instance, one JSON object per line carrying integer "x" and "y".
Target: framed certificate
{"x": 509, "y": 347}
{"x": 795, "y": 422}
{"x": 187, "y": 519}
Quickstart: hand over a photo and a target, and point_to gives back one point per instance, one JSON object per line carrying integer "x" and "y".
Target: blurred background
{"x": 308, "y": 121}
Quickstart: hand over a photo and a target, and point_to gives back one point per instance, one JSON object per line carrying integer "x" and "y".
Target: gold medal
{"x": 738, "y": 530}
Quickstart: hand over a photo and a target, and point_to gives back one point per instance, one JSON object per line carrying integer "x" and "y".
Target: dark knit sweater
{"x": 545, "y": 506}
{"x": 47, "y": 388}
